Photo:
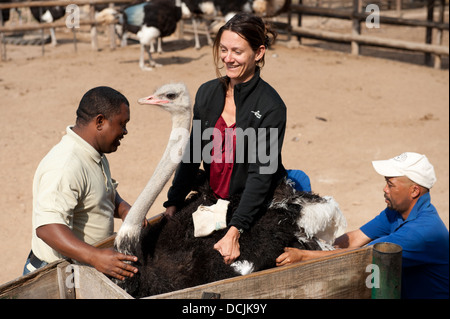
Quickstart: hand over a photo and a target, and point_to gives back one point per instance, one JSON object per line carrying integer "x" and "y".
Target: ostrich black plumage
{"x": 171, "y": 258}
{"x": 48, "y": 15}
{"x": 151, "y": 21}
{"x": 231, "y": 7}
{"x": 4, "y": 13}
{"x": 196, "y": 10}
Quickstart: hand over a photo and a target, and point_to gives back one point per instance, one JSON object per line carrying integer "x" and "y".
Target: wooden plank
{"x": 50, "y": 282}
{"x": 347, "y": 14}
{"x": 338, "y": 276}
{"x": 439, "y": 34}
{"x": 39, "y": 284}
{"x": 40, "y": 26}
{"x": 106, "y": 243}
{"x": 52, "y": 3}
{"x": 109, "y": 242}
{"x": 356, "y": 27}
{"x": 64, "y": 276}
{"x": 370, "y": 40}
{"x": 92, "y": 284}
{"x": 62, "y": 280}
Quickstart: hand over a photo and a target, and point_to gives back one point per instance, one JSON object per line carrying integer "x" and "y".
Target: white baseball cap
{"x": 412, "y": 165}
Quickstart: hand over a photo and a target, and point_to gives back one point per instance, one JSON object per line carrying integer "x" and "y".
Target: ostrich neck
{"x": 160, "y": 177}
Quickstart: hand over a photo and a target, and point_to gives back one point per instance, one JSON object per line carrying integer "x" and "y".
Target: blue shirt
{"x": 425, "y": 242}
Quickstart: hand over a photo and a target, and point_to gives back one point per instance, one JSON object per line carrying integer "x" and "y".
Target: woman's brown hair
{"x": 252, "y": 29}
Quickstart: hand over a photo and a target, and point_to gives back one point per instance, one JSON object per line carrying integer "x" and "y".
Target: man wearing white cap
{"x": 410, "y": 220}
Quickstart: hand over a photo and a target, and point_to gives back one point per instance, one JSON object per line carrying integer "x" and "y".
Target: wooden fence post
{"x": 94, "y": 40}
{"x": 356, "y": 25}
{"x": 398, "y": 6}
{"x": 2, "y": 48}
{"x": 429, "y": 30}
{"x": 299, "y": 21}
{"x": 112, "y": 33}
{"x": 2, "y": 45}
{"x": 439, "y": 35}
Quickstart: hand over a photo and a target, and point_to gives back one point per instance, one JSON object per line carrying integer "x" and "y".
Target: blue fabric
{"x": 425, "y": 242}
{"x": 300, "y": 179}
{"x": 135, "y": 14}
{"x": 28, "y": 265}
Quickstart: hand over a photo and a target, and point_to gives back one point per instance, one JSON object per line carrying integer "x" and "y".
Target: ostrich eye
{"x": 171, "y": 96}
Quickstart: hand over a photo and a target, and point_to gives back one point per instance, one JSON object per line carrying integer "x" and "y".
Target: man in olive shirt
{"x": 74, "y": 197}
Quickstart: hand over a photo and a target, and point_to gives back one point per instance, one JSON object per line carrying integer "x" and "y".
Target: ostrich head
{"x": 173, "y": 97}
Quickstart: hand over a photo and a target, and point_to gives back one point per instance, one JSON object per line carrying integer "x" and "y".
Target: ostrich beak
{"x": 152, "y": 100}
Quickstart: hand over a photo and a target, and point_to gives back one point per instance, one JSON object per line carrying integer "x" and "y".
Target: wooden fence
{"x": 62, "y": 24}
{"x": 357, "y": 16}
{"x": 355, "y": 38}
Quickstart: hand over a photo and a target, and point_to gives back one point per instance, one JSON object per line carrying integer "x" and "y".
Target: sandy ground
{"x": 343, "y": 112}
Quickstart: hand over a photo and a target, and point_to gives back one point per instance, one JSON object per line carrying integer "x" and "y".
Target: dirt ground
{"x": 343, "y": 112}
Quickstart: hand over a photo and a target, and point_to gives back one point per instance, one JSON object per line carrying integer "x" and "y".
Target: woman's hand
{"x": 228, "y": 246}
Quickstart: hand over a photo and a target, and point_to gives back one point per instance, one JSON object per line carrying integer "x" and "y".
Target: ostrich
{"x": 48, "y": 15}
{"x": 196, "y": 9}
{"x": 170, "y": 257}
{"x": 150, "y": 21}
{"x": 270, "y": 8}
{"x": 229, "y": 8}
{"x": 5, "y": 13}
{"x": 4, "y": 16}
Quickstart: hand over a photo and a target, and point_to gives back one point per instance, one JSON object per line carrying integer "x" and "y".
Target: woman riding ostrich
{"x": 240, "y": 100}
{"x": 238, "y": 119}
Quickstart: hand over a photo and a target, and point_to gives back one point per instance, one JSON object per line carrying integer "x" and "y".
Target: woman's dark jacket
{"x": 258, "y": 105}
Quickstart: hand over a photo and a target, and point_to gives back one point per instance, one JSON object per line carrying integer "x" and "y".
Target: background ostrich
{"x": 196, "y": 10}
{"x": 170, "y": 257}
{"x": 48, "y": 15}
{"x": 228, "y": 8}
{"x": 270, "y": 8}
{"x": 263, "y": 8}
{"x": 155, "y": 19}
{"x": 150, "y": 21}
{"x": 4, "y": 16}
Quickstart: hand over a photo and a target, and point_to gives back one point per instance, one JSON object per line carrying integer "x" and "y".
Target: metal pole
{"x": 42, "y": 32}
{"x": 75, "y": 40}
{"x": 356, "y": 26}
{"x": 388, "y": 258}
{"x": 2, "y": 48}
